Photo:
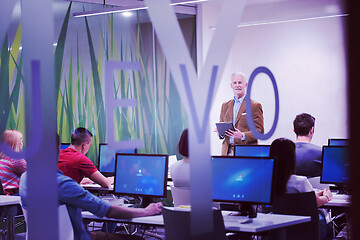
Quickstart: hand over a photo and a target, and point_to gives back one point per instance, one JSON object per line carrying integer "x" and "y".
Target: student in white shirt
{"x": 180, "y": 170}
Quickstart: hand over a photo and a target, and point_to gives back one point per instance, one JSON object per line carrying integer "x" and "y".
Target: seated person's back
{"x": 180, "y": 174}
{"x": 75, "y": 165}
{"x": 308, "y": 155}
{"x": 308, "y": 159}
{"x": 180, "y": 170}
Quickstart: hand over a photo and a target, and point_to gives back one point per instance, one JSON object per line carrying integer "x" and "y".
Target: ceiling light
{"x": 122, "y": 9}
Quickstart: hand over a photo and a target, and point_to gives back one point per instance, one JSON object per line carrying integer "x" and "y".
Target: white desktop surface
{"x": 9, "y": 200}
{"x": 263, "y": 222}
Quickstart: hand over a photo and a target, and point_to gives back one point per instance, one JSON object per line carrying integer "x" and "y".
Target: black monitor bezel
{"x": 61, "y": 144}
{"x": 144, "y": 195}
{"x": 107, "y": 174}
{"x": 275, "y": 162}
{"x": 255, "y": 146}
{"x": 339, "y": 139}
{"x": 322, "y": 166}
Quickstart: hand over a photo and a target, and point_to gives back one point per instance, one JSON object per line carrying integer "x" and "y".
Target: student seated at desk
{"x": 76, "y": 198}
{"x": 11, "y": 169}
{"x": 75, "y": 164}
{"x": 287, "y": 182}
{"x": 180, "y": 170}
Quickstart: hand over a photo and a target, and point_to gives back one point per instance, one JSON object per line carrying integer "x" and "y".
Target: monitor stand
{"x": 343, "y": 189}
{"x": 246, "y": 209}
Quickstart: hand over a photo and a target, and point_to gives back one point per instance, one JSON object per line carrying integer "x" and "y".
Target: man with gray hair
{"x": 234, "y": 111}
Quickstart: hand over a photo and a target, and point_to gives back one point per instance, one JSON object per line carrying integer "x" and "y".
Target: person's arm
{"x": 100, "y": 179}
{"x": 323, "y": 197}
{"x": 125, "y": 212}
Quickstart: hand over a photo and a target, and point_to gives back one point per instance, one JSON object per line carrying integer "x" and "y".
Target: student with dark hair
{"x": 287, "y": 182}
{"x": 308, "y": 155}
{"x": 75, "y": 164}
{"x": 180, "y": 170}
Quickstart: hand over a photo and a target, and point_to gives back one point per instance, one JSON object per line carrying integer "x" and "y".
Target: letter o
{"x": 249, "y": 118}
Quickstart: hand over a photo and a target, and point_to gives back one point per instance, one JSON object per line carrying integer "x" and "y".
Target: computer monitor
{"x": 338, "y": 142}
{"x": 252, "y": 150}
{"x": 335, "y": 165}
{"x": 141, "y": 174}
{"x": 64, "y": 145}
{"x": 245, "y": 180}
{"x": 106, "y": 158}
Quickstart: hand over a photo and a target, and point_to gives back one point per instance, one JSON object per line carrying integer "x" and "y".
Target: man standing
{"x": 308, "y": 155}
{"x": 75, "y": 164}
{"x": 234, "y": 111}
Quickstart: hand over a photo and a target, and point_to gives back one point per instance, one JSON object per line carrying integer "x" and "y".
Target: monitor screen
{"x": 141, "y": 174}
{"x": 243, "y": 179}
{"x": 335, "y": 164}
{"x": 338, "y": 142}
{"x": 252, "y": 150}
{"x": 106, "y": 159}
{"x": 64, "y": 145}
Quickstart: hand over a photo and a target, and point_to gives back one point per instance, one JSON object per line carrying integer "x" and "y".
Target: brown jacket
{"x": 226, "y": 115}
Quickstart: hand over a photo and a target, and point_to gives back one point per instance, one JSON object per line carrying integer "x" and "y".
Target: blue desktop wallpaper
{"x": 335, "y": 165}
{"x": 64, "y": 145}
{"x": 339, "y": 142}
{"x": 252, "y": 151}
{"x": 107, "y": 157}
{"x": 242, "y": 179}
{"x": 140, "y": 174}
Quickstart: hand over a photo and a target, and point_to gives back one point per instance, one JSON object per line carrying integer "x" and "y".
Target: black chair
{"x": 1, "y": 189}
{"x": 302, "y": 204}
{"x": 177, "y": 225}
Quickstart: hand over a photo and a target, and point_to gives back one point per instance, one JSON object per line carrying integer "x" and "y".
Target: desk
{"x": 8, "y": 209}
{"x": 339, "y": 200}
{"x": 338, "y": 207}
{"x": 263, "y": 222}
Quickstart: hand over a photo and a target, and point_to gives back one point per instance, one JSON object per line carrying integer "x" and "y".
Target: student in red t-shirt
{"x": 75, "y": 164}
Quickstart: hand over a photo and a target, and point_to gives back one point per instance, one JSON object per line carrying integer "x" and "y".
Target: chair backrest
{"x": 177, "y": 225}
{"x": 302, "y": 204}
{"x": 66, "y": 231}
{"x": 180, "y": 196}
{"x": 1, "y": 189}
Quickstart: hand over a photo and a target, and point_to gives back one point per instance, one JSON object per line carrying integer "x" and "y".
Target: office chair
{"x": 180, "y": 196}
{"x": 66, "y": 231}
{"x": 302, "y": 204}
{"x": 177, "y": 225}
{"x": 1, "y": 189}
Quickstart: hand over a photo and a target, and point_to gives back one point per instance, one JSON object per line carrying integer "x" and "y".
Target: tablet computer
{"x": 222, "y": 127}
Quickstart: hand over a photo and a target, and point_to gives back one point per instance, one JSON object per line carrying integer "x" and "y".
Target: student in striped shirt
{"x": 11, "y": 169}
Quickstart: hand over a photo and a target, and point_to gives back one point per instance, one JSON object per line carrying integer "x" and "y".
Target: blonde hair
{"x": 13, "y": 138}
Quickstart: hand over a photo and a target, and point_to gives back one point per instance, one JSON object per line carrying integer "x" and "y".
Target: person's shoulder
{"x": 231, "y": 101}
{"x": 255, "y": 103}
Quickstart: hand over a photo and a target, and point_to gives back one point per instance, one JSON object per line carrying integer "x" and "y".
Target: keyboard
{"x": 341, "y": 197}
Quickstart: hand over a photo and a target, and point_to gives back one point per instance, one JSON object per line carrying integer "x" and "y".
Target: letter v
{"x": 177, "y": 55}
